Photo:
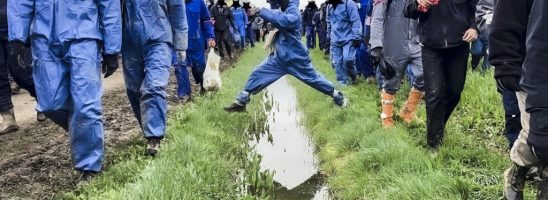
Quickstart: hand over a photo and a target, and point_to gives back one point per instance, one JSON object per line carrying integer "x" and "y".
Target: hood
{"x": 312, "y": 4}
{"x": 236, "y": 4}
{"x": 247, "y": 5}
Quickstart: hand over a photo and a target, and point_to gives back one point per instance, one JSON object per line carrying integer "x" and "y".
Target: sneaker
{"x": 339, "y": 99}
{"x": 153, "y": 147}
{"x": 86, "y": 177}
{"x": 40, "y": 117}
{"x": 235, "y": 107}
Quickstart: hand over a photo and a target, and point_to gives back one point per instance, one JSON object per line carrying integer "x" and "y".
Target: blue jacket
{"x": 200, "y": 27}
{"x": 240, "y": 17}
{"x": 156, "y": 21}
{"x": 67, "y": 20}
{"x": 344, "y": 24}
{"x": 290, "y": 50}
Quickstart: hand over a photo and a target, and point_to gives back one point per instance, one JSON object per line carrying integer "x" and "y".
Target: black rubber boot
{"x": 153, "y": 147}
{"x": 514, "y": 182}
{"x": 235, "y": 107}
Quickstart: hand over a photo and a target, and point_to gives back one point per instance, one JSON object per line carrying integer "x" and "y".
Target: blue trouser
{"x": 184, "y": 87}
{"x": 69, "y": 89}
{"x": 512, "y": 116}
{"x": 310, "y": 37}
{"x": 343, "y": 59}
{"x": 197, "y": 61}
{"x": 322, "y": 38}
{"x": 242, "y": 30}
{"x": 478, "y": 50}
{"x": 364, "y": 64}
{"x": 270, "y": 71}
{"x": 146, "y": 73}
{"x": 251, "y": 35}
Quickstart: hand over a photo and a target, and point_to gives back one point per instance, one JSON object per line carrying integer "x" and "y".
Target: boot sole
{"x": 151, "y": 152}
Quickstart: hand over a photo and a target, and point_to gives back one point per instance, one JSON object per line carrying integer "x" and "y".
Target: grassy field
{"x": 364, "y": 161}
{"x": 201, "y": 158}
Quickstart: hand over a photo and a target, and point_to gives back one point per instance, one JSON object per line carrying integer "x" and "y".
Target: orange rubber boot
{"x": 407, "y": 113}
{"x": 387, "y": 101}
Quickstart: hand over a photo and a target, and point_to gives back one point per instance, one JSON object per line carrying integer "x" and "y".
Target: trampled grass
{"x": 364, "y": 161}
{"x": 200, "y": 159}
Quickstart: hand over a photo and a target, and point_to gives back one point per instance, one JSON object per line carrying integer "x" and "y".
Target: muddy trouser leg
{"x": 521, "y": 153}
{"x": 265, "y": 74}
{"x": 417, "y": 71}
{"x": 455, "y": 73}
{"x": 86, "y": 123}
{"x": 337, "y": 62}
{"x": 434, "y": 76}
{"x": 52, "y": 89}
{"x": 5, "y": 88}
{"x": 392, "y": 85}
{"x": 349, "y": 58}
{"x": 22, "y": 72}
{"x": 183, "y": 81}
{"x": 307, "y": 74}
{"x": 198, "y": 63}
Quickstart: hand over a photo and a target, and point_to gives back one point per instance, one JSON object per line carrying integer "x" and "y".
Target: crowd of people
{"x": 56, "y": 50}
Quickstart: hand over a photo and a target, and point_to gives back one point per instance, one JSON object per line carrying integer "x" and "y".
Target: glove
{"x": 376, "y": 55}
{"x": 110, "y": 64}
{"x": 508, "y": 84}
{"x": 356, "y": 43}
{"x": 387, "y": 69}
{"x": 181, "y": 55}
{"x": 16, "y": 49}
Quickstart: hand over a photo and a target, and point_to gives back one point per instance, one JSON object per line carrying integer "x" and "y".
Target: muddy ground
{"x": 35, "y": 161}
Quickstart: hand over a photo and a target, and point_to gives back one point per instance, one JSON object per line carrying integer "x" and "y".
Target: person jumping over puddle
{"x": 288, "y": 56}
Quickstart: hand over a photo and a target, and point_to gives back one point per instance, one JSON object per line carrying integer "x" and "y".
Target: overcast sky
{"x": 262, "y": 3}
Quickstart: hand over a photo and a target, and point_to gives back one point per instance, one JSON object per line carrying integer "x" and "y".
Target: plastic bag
{"x": 212, "y": 75}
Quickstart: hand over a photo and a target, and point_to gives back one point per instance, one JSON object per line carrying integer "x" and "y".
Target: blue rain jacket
{"x": 344, "y": 23}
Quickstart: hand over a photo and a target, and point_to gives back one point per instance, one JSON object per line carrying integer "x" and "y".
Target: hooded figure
{"x": 200, "y": 31}
{"x": 345, "y": 30}
{"x": 288, "y": 56}
{"x": 240, "y": 21}
{"x": 67, "y": 66}
{"x": 152, "y": 31}
{"x": 308, "y": 23}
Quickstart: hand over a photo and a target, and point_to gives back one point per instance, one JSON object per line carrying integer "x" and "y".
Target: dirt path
{"x": 35, "y": 161}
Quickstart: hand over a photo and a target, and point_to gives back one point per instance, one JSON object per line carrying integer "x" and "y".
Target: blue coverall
{"x": 290, "y": 56}
{"x": 344, "y": 26}
{"x": 67, "y": 38}
{"x": 364, "y": 64}
{"x": 240, "y": 21}
{"x": 200, "y": 30}
{"x": 151, "y": 30}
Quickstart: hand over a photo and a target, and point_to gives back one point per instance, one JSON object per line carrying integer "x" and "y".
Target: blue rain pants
{"x": 310, "y": 37}
{"x": 343, "y": 58}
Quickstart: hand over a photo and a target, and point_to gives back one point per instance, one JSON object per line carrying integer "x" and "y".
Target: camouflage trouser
{"x": 521, "y": 153}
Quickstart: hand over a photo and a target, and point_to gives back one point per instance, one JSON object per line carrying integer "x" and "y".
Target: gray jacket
{"x": 392, "y": 31}
{"x": 484, "y": 14}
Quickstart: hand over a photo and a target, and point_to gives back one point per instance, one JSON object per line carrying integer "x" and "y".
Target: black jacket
{"x": 507, "y": 37}
{"x": 308, "y": 15}
{"x": 223, "y": 17}
{"x": 443, "y": 26}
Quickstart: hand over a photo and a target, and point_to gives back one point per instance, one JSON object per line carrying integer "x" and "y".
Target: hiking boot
{"x": 8, "y": 124}
{"x": 40, "y": 117}
{"x": 407, "y": 113}
{"x": 387, "y": 114}
{"x": 231, "y": 56}
{"x": 433, "y": 151}
{"x": 235, "y": 107}
{"x": 338, "y": 98}
{"x": 514, "y": 182}
{"x": 153, "y": 146}
{"x": 542, "y": 192}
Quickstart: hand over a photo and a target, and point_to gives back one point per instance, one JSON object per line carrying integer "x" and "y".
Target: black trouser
{"x": 21, "y": 71}
{"x": 444, "y": 77}
{"x": 222, "y": 38}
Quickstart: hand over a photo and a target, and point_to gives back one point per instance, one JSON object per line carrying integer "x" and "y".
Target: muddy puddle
{"x": 286, "y": 147}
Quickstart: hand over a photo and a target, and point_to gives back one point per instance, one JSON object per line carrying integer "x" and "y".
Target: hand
{"x": 425, "y": 3}
{"x": 357, "y": 43}
{"x": 387, "y": 69}
{"x": 181, "y": 55}
{"x": 470, "y": 35}
{"x": 110, "y": 64}
{"x": 211, "y": 43}
{"x": 508, "y": 84}
{"x": 376, "y": 55}
{"x": 16, "y": 49}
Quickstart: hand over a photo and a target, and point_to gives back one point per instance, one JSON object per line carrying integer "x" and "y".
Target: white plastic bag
{"x": 212, "y": 75}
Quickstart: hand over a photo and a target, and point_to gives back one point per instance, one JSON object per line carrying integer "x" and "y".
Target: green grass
{"x": 364, "y": 161}
{"x": 201, "y": 157}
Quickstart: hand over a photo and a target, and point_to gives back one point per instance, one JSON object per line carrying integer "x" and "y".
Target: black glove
{"x": 110, "y": 64}
{"x": 357, "y": 43}
{"x": 376, "y": 55}
{"x": 387, "y": 68}
{"x": 17, "y": 48}
{"x": 508, "y": 84}
{"x": 538, "y": 135}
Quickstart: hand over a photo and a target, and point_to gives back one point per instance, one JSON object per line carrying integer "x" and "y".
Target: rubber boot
{"x": 8, "y": 124}
{"x": 514, "y": 182}
{"x": 407, "y": 113}
{"x": 387, "y": 115}
{"x": 40, "y": 117}
{"x": 235, "y": 107}
{"x": 542, "y": 192}
{"x": 153, "y": 146}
